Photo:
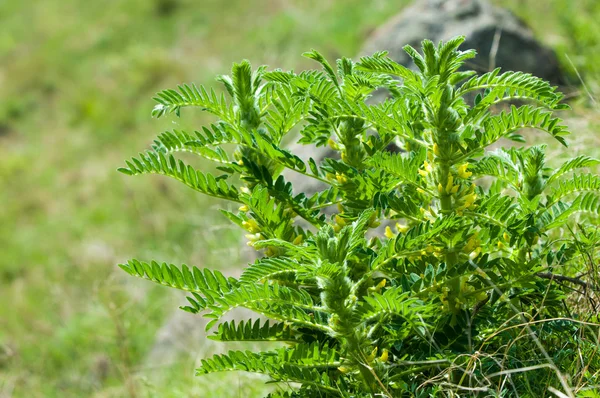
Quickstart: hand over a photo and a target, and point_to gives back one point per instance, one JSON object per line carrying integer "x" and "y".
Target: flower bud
{"x": 253, "y": 237}
{"x": 450, "y": 184}
{"x": 333, "y": 144}
{"x": 372, "y": 355}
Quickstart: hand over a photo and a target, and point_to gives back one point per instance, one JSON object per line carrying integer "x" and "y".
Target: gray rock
{"x": 500, "y": 38}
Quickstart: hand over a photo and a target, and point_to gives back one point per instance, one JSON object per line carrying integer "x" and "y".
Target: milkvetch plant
{"x": 422, "y": 250}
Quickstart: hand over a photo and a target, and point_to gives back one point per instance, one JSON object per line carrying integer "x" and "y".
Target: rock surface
{"x": 500, "y": 38}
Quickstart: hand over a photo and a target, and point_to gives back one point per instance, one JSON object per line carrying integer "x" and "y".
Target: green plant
{"x": 465, "y": 293}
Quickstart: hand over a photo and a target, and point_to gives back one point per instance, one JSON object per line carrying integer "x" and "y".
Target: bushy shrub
{"x": 441, "y": 268}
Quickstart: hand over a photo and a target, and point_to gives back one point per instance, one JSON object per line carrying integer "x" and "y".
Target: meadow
{"x": 76, "y": 82}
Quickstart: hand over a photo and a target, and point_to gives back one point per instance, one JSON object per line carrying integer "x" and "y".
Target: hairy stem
{"x": 451, "y": 257}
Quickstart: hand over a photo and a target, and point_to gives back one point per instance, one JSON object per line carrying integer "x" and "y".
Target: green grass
{"x": 76, "y": 81}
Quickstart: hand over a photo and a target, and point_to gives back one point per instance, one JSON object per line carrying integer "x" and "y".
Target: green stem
{"x": 451, "y": 256}
{"x": 355, "y": 351}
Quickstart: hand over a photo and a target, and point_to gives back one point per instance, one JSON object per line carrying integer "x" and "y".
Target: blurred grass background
{"x": 76, "y": 81}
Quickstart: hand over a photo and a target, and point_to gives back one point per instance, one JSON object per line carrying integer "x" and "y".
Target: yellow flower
{"x": 298, "y": 240}
{"x": 427, "y": 166}
{"x": 378, "y": 287}
{"x": 388, "y": 232}
{"x": 440, "y": 188}
{"x": 436, "y": 149}
{"x": 401, "y": 228}
{"x": 252, "y": 238}
{"x": 450, "y": 183}
{"x": 342, "y": 179}
{"x": 339, "y": 220}
{"x": 423, "y": 173}
{"x": 244, "y": 208}
{"x": 454, "y": 189}
{"x": 384, "y": 356}
{"x": 251, "y": 226}
{"x": 462, "y": 171}
{"x": 500, "y": 245}
{"x": 470, "y": 199}
{"x": 506, "y": 237}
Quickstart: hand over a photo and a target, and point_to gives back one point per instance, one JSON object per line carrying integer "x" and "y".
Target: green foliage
{"x": 460, "y": 294}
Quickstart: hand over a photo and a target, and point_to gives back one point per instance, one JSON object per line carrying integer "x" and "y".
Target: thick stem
{"x": 445, "y": 197}
{"x": 343, "y": 322}
{"x": 446, "y": 206}
{"x": 451, "y": 257}
{"x": 355, "y": 351}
